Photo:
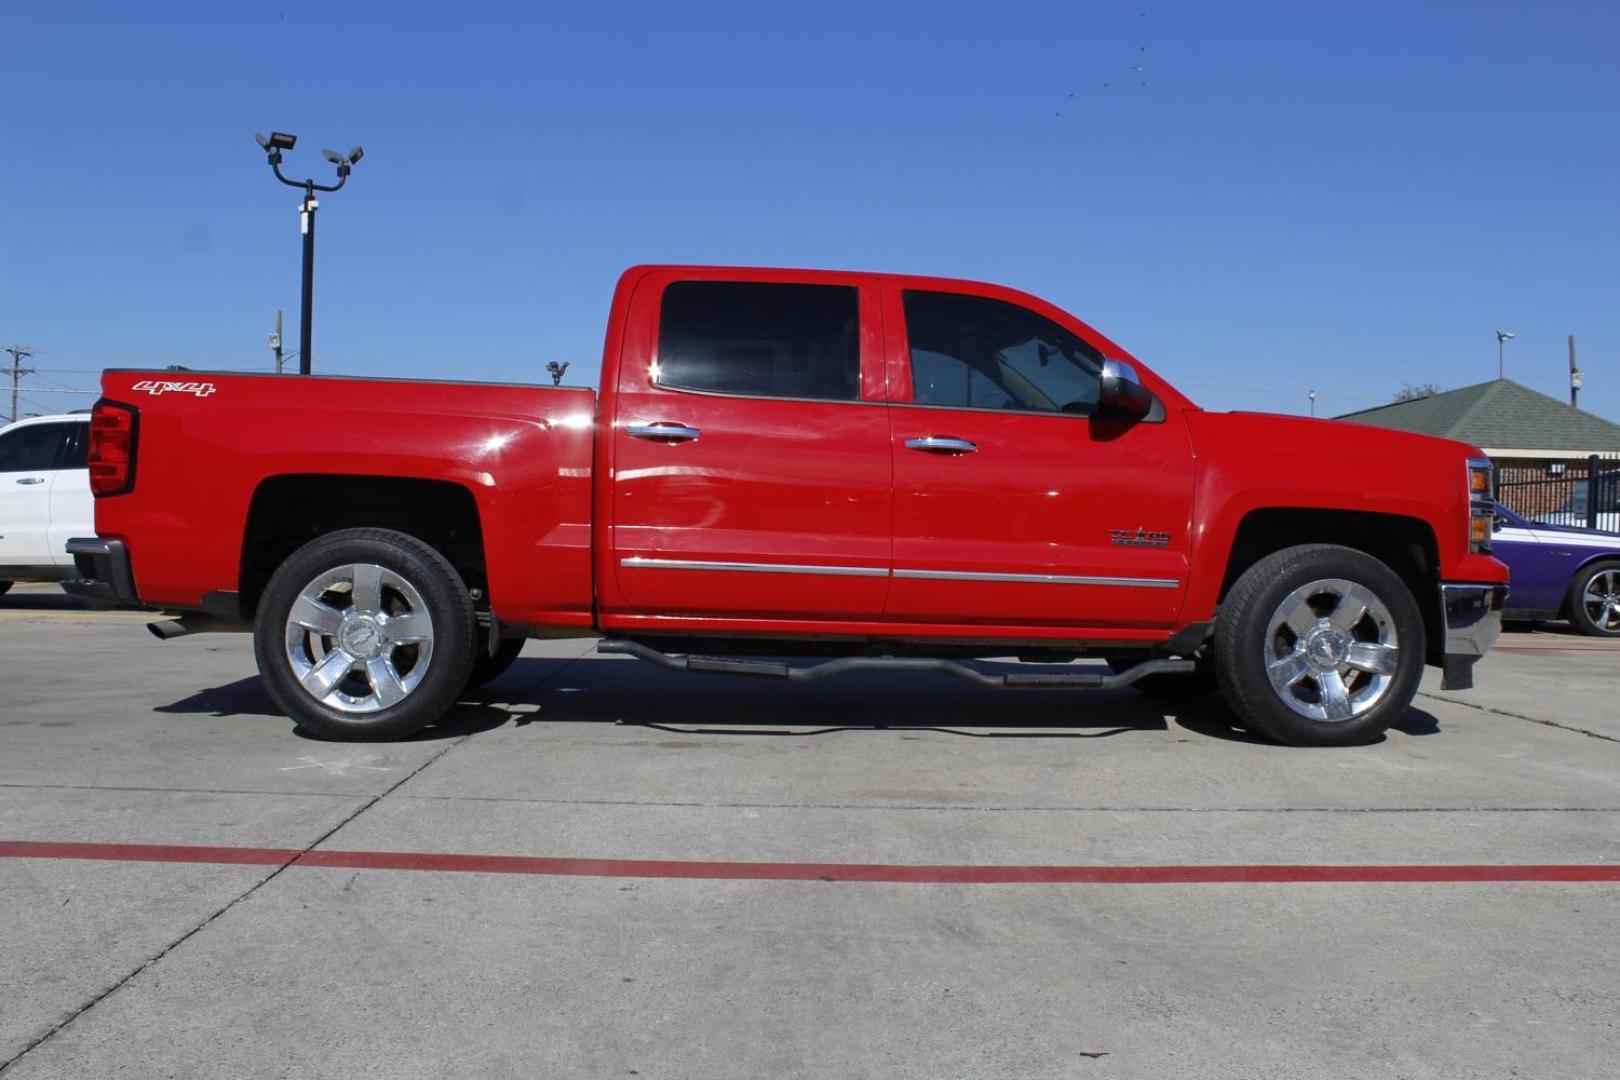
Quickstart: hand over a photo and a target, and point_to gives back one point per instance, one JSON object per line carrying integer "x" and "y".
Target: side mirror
{"x": 1121, "y": 395}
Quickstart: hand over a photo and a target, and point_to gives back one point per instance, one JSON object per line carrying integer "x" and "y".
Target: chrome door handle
{"x": 664, "y": 431}
{"x": 942, "y": 444}
{"x": 32, "y": 480}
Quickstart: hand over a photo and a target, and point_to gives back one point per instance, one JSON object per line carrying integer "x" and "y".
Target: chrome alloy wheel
{"x": 1331, "y": 650}
{"x": 359, "y": 638}
{"x": 1601, "y": 599}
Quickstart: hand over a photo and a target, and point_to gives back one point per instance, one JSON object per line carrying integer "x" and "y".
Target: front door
{"x": 1014, "y": 505}
{"x": 751, "y": 467}
{"x": 29, "y": 457}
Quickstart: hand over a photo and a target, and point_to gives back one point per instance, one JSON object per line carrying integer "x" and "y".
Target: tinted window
{"x": 32, "y": 448}
{"x": 968, "y": 351}
{"x": 77, "y": 454}
{"x": 762, "y": 340}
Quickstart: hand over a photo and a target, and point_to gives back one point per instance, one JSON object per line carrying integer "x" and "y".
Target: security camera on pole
{"x": 273, "y": 146}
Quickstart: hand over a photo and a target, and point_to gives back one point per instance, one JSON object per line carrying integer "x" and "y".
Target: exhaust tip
{"x": 168, "y": 629}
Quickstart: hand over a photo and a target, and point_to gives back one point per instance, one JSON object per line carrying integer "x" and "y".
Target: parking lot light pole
{"x": 273, "y": 146}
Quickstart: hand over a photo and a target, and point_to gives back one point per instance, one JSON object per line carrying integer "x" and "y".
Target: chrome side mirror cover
{"x": 1121, "y": 395}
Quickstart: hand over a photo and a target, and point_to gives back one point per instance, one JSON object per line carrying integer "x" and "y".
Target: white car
{"x": 44, "y": 496}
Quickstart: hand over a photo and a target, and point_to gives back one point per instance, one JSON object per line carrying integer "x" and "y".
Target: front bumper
{"x": 1473, "y": 623}
{"x": 104, "y": 574}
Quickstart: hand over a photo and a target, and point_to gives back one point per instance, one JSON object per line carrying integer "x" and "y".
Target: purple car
{"x": 1560, "y": 572}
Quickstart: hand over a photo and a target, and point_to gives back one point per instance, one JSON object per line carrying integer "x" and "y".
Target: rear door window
{"x": 76, "y": 449}
{"x": 760, "y": 340}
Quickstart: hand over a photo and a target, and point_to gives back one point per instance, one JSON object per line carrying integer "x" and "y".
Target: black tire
{"x": 1200, "y": 682}
{"x": 444, "y": 598}
{"x": 1579, "y": 616}
{"x": 1244, "y": 643}
{"x": 5, "y": 587}
{"x": 487, "y": 668}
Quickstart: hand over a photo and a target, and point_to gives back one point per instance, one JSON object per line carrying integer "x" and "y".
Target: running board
{"x": 767, "y": 669}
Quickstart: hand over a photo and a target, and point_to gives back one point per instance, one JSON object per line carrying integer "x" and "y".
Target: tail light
{"x": 113, "y": 427}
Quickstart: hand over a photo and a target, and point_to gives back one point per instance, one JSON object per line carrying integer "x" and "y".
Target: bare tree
{"x": 1408, "y": 392}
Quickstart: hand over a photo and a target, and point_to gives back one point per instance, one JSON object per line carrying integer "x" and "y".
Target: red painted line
{"x": 1556, "y": 648}
{"x": 234, "y": 856}
{"x": 794, "y": 871}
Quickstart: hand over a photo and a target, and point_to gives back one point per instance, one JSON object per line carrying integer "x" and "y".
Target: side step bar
{"x": 767, "y": 669}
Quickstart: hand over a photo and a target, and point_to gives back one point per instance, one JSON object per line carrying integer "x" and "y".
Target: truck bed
{"x": 214, "y": 445}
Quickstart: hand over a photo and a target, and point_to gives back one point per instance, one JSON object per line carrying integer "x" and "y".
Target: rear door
{"x": 29, "y": 455}
{"x": 1013, "y": 503}
{"x": 751, "y": 465}
{"x": 73, "y": 508}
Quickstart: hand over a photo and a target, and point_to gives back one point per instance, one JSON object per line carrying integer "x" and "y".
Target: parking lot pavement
{"x": 394, "y": 965}
{"x": 1554, "y": 675}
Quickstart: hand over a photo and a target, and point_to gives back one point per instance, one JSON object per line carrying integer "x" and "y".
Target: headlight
{"x": 1481, "y": 506}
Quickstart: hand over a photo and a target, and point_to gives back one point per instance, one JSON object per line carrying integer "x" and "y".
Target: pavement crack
{"x": 56, "y": 1028}
{"x": 172, "y": 789}
{"x": 249, "y": 891}
{"x": 1521, "y": 716}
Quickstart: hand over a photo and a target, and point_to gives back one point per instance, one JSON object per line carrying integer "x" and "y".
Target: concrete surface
{"x": 167, "y": 969}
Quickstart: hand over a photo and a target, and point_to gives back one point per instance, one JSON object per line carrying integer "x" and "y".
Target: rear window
{"x": 760, "y": 340}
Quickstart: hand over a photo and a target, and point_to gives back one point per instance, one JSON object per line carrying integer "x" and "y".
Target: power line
{"x": 102, "y": 371}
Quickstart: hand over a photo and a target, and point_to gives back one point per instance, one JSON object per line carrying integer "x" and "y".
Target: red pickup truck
{"x": 791, "y": 474}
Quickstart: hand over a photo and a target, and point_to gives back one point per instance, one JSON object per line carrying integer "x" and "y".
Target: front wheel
{"x": 1319, "y": 645}
{"x": 365, "y": 634}
{"x": 1594, "y": 600}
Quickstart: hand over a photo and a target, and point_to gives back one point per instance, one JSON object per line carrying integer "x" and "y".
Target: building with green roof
{"x": 1541, "y": 446}
{"x": 1504, "y": 419}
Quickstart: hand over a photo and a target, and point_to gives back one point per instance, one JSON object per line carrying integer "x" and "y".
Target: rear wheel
{"x": 1319, "y": 645}
{"x": 1594, "y": 600}
{"x": 365, "y": 634}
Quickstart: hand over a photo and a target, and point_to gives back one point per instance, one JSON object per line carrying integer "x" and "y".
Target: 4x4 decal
{"x": 164, "y": 386}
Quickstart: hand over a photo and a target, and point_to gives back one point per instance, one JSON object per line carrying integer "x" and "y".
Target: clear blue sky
{"x": 1285, "y": 196}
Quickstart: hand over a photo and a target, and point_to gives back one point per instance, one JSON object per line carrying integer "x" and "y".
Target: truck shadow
{"x": 545, "y": 692}
{"x": 46, "y": 598}
{"x": 604, "y": 690}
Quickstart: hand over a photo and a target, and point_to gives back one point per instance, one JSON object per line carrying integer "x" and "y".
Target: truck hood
{"x": 1343, "y": 436}
{"x": 1248, "y": 461}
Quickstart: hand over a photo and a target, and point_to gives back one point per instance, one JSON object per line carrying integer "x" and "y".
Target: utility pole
{"x": 1576, "y": 379}
{"x": 275, "y": 341}
{"x": 17, "y": 371}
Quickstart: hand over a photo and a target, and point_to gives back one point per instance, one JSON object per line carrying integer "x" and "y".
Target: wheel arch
{"x": 289, "y": 510}
{"x": 1405, "y": 544}
{"x": 1581, "y": 568}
